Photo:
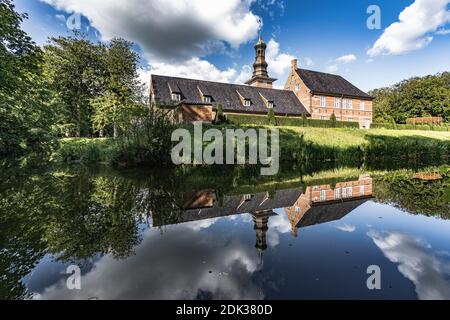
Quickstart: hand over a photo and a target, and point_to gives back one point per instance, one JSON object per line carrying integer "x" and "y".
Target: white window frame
{"x": 247, "y": 103}
{"x": 362, "y": 105}
{"x": 247, "y": 197}
{"x": 344, "y": 103}
{"x": 337, "y": 103}
{"x": 323, "y": 195}
{"x": 349, "y": 192}
{"x": 323, "y": 101}
{"x": 350, "y": 104}
{"x": 338, "y": 193}
{"x": 207, "y": 99}
{"x": 176, "y": 97}
{"x": 298, "y": 87}
{"x": 362, "y": 190}
{"x": 323, "y": 118}
{"x": 350, "y": 119}
{"x": 270, "y": 105}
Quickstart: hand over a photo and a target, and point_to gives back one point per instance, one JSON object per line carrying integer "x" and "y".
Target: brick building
{"x": 314, "y": 94}
{"x": 196, "y": 100}
{"x": 324, "y": 94}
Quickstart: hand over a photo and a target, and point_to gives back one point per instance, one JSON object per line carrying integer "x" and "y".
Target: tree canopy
{"x": 417, "y": 97}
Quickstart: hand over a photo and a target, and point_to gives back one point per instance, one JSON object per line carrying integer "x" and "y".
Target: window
{"x": 297, "y": 88}
{"x": 323, "y": 118}
{"x": 362, "y": 190}
{"x": 362, "y": 106}
{"x": 344, "y": 103}
{"x": 338, "y": 118}
{"x": 206, "y": 99}
{"x": 247, "y": 197}
{"x": 350, "y": 104}
{"x": 337, "y": 103}
{"x": 337, "y": 193}
{"x": 298, "y": 209}
{"x": 323, "y": 195}
{"x": 270, "y": 105}
{"x": 316, "y": 110}
{"x": 323, "y": 101}
{"x": 347, "y": 192}
{"x": 176, "y": 97}
{"x": 350, "y": 119}
{"x": 247, "y": 103}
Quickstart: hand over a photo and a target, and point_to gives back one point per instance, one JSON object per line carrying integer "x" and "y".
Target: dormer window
{"x": 176, "y": 97}
{"x": 247, "y": 197}
{"x": 270, "y": 105}
{"x": 247, "y": 103}
{"x": 207, "y": 99}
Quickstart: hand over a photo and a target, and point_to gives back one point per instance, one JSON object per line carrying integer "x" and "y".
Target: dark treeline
{"x": 416, "y": 97}
{"x": 71, "y": 87}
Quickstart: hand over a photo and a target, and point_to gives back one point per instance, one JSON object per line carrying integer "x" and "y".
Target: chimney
{"x": 294, "y": 64}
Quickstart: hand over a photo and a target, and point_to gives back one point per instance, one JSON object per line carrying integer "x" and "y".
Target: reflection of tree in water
{"x": 431, "y": 198}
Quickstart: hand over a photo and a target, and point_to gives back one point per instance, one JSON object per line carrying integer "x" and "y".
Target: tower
{"x": 260, "y": 74}
{"x": 261, "y": 220}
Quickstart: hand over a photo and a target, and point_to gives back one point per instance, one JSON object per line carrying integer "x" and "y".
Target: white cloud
{"x": 416, "y": 262}
{"x": 336, "y": 63}
{"x": 414, "y": 30}
{"x": 169, "y": 30}
{"x": 346, "y": 227}
{"x": 443, "y": 32}
{"x": 61, "y": 17}
{"x": 346, "y": 59}
{"x": 308, "y": 61}
{"x": 174, "y": 267}
{"x": 333, "y": 68}
{"x": 279, "y": 62}
{"x": 197, "y": 68}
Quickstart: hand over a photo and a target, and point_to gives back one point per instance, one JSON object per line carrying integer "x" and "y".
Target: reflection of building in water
{"x": 325, "y": 203}
{"x": 261, "y": 220}
{"x": 318, "y": 204}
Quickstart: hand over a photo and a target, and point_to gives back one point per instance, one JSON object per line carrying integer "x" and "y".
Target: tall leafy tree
{"x": 416, "y": 97}
{"x": 122, "y": 97}
{"x": 74, "y": 69}
{"x": 25, "y": 114}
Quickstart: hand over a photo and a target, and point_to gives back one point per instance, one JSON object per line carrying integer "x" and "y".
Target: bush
{"x": 288, "y": 121}
{"x": 424, "y": 127}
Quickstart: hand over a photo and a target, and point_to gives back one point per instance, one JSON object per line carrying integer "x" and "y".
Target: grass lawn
{"x": 356, "y": 137}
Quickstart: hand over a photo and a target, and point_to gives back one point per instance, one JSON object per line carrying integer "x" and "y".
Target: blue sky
{"x": 213, "y": 40}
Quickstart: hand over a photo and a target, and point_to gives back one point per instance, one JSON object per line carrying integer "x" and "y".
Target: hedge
{"x": 289, "y": 122}
{"x": 424, "y": 127}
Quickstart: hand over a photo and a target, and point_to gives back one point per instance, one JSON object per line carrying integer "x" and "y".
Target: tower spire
{"x": 260, "y": 74}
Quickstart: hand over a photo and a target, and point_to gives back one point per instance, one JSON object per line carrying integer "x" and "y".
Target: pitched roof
{"x": 327, "y": 83}
{"x": 227, "y": 95}
{"x": 325, "y": 212}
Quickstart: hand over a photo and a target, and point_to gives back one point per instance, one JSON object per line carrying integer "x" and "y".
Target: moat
{"x": 225, "y": 233}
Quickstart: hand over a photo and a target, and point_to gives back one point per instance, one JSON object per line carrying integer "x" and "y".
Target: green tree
{"x": 333, "y": 120}
{"x": 416, "y": 97}
{"x": 74, "y": 71}
{"x": 25, "y": 114}
{"x": 121, "y": 99}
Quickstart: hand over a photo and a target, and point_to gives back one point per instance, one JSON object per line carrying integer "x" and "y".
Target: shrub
{"x": 288, "y": 121}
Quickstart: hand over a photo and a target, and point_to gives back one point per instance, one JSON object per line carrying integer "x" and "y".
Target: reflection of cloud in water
{"x": 201, "y": 224}
{"x": 175, "y": 265}
{"x": 416, "y": 262}
{"x": 346, "y": 227}
{"x": 277, "y": 224}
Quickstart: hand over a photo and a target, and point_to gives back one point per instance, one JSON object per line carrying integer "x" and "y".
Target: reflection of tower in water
{"x": 261, "y": 220}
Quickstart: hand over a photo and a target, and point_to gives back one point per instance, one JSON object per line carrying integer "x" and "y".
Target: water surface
{"x": 225, "y": 235}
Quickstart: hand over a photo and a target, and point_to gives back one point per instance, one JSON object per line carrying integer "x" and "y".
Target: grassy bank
{"x": 299, "y": 146}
